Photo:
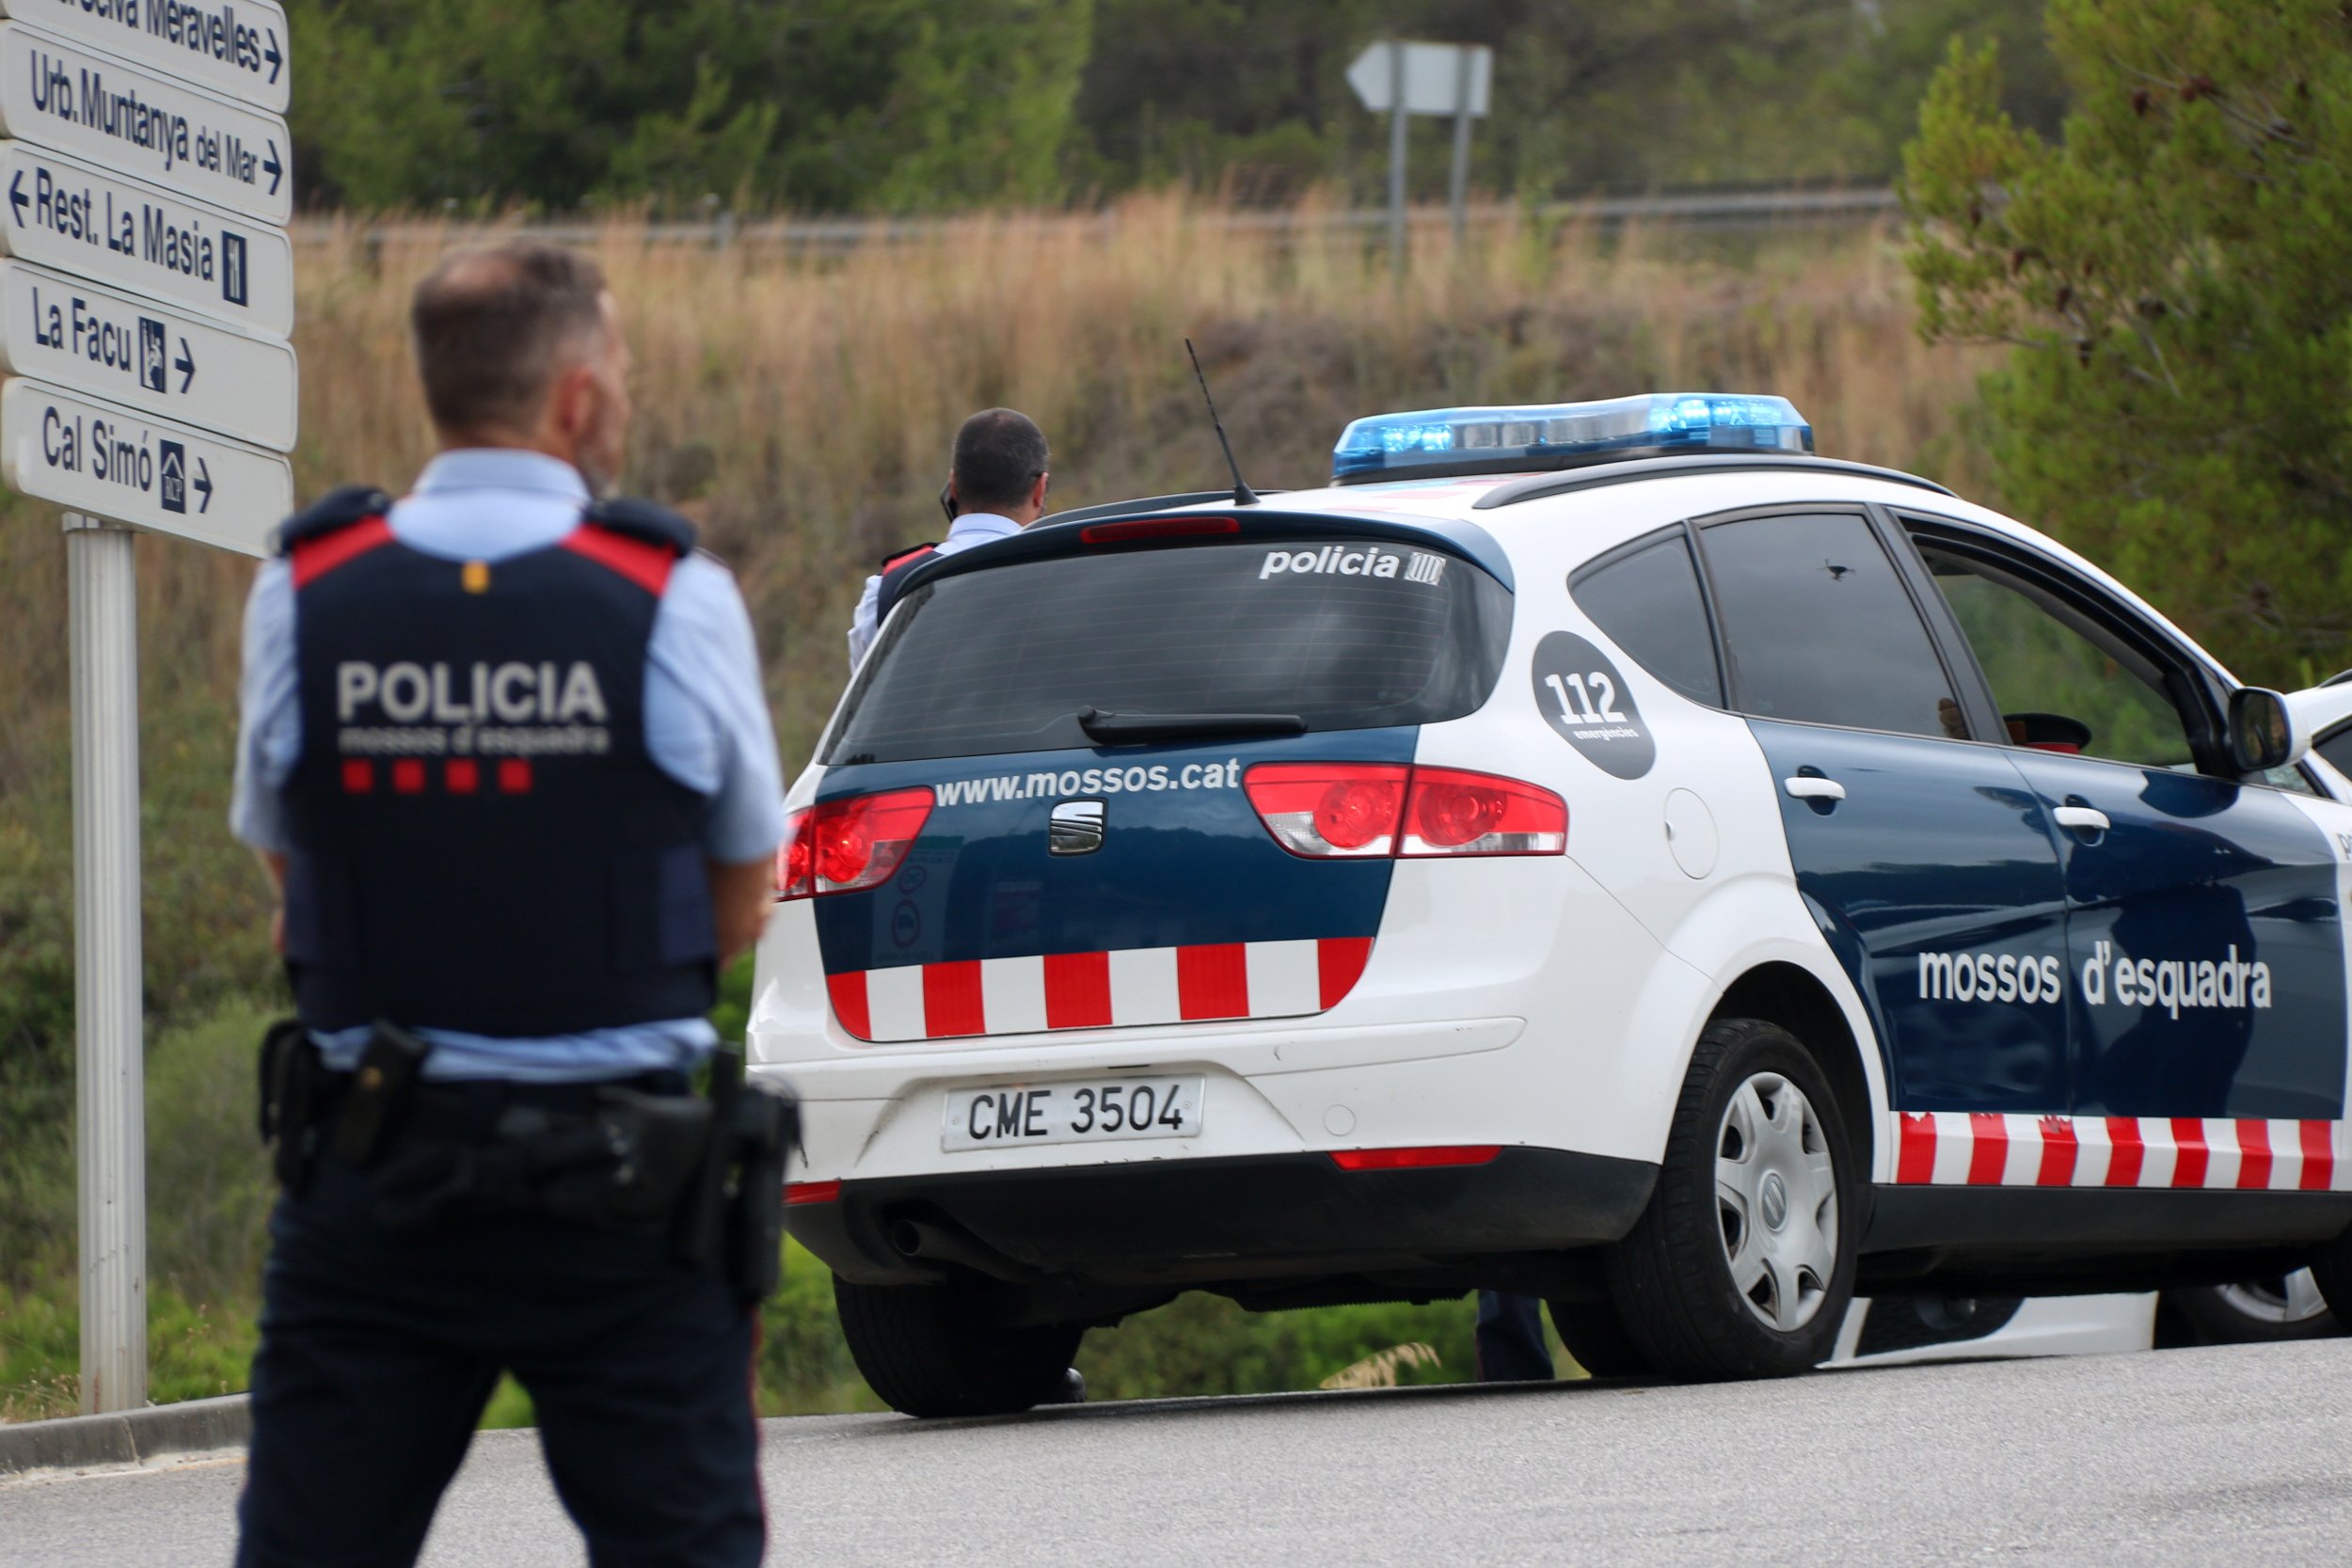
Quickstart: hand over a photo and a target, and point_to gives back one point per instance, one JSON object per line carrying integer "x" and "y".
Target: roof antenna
{"x": 1243, "y": 495}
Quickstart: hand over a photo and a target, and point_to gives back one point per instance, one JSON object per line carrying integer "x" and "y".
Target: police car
{"x": 1603, "y": 851}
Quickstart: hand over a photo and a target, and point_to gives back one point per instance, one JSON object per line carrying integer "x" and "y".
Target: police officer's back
{"x": 505, "y": 750}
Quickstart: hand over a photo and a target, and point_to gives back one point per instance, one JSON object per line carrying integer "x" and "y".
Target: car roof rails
{"x": 1536, "y": 486}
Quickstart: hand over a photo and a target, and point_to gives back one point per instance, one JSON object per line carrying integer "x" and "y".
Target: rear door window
{"x": 1818, "y": 628}
{"x": 1345, "y": 634}
{"x": 1648, "y": 602}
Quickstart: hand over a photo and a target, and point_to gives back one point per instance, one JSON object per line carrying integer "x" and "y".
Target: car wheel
{"x": 1596, "y": 1336}
{"x": 2256, "y": 1311}
{"x": 1742, "y": 1264}
{"x": 928, "y": 1351}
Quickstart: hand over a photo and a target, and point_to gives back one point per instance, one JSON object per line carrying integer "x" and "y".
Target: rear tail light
{"x": 1453, "y": 813}
{"x": 1340, "y": 810}
{"x": 843, "y": 846}
{"x": 798, "y": 1192}
{"x": 1330, "y": 810}
{"x": 793, "y": 859}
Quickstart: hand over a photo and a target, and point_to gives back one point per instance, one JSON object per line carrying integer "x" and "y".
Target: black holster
{"x": 734, "y": 1213}
{"x": 290, "y": 1075}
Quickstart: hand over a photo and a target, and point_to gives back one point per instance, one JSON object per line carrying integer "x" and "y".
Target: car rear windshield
{"x": 1347, "y": 635}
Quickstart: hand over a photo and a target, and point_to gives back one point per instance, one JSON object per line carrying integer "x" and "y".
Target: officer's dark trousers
{"x": 378, "y": 1353}
{"x": 1511, "y": 1346}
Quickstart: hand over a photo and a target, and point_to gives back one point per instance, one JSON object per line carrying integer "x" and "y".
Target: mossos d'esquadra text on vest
{"x": 409, "y": 707}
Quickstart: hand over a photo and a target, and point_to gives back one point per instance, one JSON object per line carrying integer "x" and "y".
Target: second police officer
{"x": 506, "y": 754}
{"x": 997, "y": 479}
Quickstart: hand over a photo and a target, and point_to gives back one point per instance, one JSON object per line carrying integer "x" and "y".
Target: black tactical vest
{"x": 895, "y": 569}
{"x": 481, "y": 841}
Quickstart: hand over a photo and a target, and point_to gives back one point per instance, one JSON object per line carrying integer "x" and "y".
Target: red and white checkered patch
{"x": 1098, "y": 990}
{"x": 1975, "y": 1149}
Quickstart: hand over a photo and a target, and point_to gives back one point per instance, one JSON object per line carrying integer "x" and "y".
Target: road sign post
{"x": 144, "y": 187}
{"x": 1400, "y": 79}
{"x": 109, "y": 1068}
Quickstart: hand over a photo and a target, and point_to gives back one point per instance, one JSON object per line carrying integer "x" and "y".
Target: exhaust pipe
{"x": 937, "y": 1243}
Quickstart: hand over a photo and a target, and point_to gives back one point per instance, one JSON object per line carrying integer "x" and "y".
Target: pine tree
{"x": 2178, "y": 403}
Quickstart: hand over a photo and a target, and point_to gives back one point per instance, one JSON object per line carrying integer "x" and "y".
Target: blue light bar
{"x": 1443, "y": 441}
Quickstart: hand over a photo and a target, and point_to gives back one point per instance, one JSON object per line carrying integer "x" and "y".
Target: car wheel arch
{"x": 1794, "y": 998}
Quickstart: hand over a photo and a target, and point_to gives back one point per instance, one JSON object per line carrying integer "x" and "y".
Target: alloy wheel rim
{"x": 1776, "y": 1201}
{"x": 2286, "y": 1302}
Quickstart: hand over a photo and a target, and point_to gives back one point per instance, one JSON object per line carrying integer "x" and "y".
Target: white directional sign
{"x": 127, "y": 118}
{"x": 1433, "y": 77}
{"x": 131, "y": 351}
{"x": 94, "y": 457}
{"x": 63, "y": 213}
{"x": 236, "y": 48}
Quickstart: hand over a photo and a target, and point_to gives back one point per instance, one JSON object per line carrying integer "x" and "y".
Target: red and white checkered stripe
{"x": 1096, "y": 990}
{"x": 1965, "y": 1148}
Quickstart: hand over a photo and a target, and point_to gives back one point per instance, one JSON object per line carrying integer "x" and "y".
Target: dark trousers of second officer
{"x": 380, "y": 1350}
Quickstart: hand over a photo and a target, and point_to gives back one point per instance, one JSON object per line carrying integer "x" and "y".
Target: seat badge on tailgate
{"x": 1078, "y": 828}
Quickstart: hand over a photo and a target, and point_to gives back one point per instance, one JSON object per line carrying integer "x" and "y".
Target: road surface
{"x": 2237, "y": 1456}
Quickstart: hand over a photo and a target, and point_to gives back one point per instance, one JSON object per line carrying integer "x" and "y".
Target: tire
{"x": 1709, "y": 1286}
{"x": 1596, "y": 1337}
{"x": 927, "y": 1352}
{"x": 2260, "y": 1311}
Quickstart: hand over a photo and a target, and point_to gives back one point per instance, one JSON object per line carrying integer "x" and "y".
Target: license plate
{"x": 1108, "y": 1111}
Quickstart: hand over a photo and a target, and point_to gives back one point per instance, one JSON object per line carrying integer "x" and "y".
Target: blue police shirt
{"x": 973, "y": 527}
{"x": 706, "y": 726}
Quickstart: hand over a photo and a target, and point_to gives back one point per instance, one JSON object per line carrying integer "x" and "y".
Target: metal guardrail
{"x": 1734, "y": 209}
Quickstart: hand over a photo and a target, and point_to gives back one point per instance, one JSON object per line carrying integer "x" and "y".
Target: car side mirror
{"x": 2262, "y": 732}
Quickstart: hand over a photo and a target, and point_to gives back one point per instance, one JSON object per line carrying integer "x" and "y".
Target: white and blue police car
{"x": 1602, "y": 851}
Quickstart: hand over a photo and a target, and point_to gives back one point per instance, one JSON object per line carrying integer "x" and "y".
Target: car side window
{"x": 1648, "y": 603}
{"x": 1818, "y": 628}
{"x": 2063, "y": 682}
{"x": 2337, "y": 749}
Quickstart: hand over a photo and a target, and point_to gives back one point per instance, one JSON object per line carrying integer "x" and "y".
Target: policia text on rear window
{"x": 1345, "y": 634}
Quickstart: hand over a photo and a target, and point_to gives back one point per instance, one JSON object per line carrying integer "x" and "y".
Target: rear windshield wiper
{"x": 1126, "y": 729}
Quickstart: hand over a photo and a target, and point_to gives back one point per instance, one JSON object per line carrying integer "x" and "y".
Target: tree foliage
{"x": 2171, "y": 271}
{"x": 908, "y": 104}
{"x": 565, "y": 104}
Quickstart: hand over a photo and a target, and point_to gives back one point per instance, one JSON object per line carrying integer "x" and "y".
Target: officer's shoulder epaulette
{"x": 900, "y": 558}
{"x": 643, "y": 521}
{"x": 337, "y": 508}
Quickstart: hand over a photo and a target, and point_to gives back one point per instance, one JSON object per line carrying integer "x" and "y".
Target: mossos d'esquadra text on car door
{"x": 1603, "y": 851}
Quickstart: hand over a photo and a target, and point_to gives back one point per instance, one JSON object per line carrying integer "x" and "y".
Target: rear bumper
{"x": 1202, "y": 1221}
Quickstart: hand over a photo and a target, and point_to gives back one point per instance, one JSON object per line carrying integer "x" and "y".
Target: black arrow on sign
{"x": 203, "y": 487}
{"x": 17, "y": 199}
{"x": 273, "y": 57}
{"x": 273, "y": 168}
{"x": 185, "y": 365}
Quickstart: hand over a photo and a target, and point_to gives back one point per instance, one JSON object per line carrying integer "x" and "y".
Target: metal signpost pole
{"x": 1397, "y": 123}
{"x": 111, "y": 1150}
{"x": 149, "y": 386}
{"x": 1464, "y": 61}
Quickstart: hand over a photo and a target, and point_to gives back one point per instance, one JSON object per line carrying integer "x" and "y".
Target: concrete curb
{"x": 128, "y": 1438}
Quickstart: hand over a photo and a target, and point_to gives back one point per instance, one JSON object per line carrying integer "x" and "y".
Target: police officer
{"x": 996, "y": 484}
{"x": 505, "y": 753}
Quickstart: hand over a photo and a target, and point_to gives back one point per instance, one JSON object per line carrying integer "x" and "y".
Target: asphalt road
{"x": 2237, "y": 1456}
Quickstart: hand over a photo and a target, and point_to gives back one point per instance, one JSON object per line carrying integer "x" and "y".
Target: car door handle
{"x": 1807, "y": 787}
{"x": 2083, "y": 819}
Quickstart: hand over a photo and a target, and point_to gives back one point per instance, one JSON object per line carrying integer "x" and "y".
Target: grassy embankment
{"x": 800, "y": 410}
